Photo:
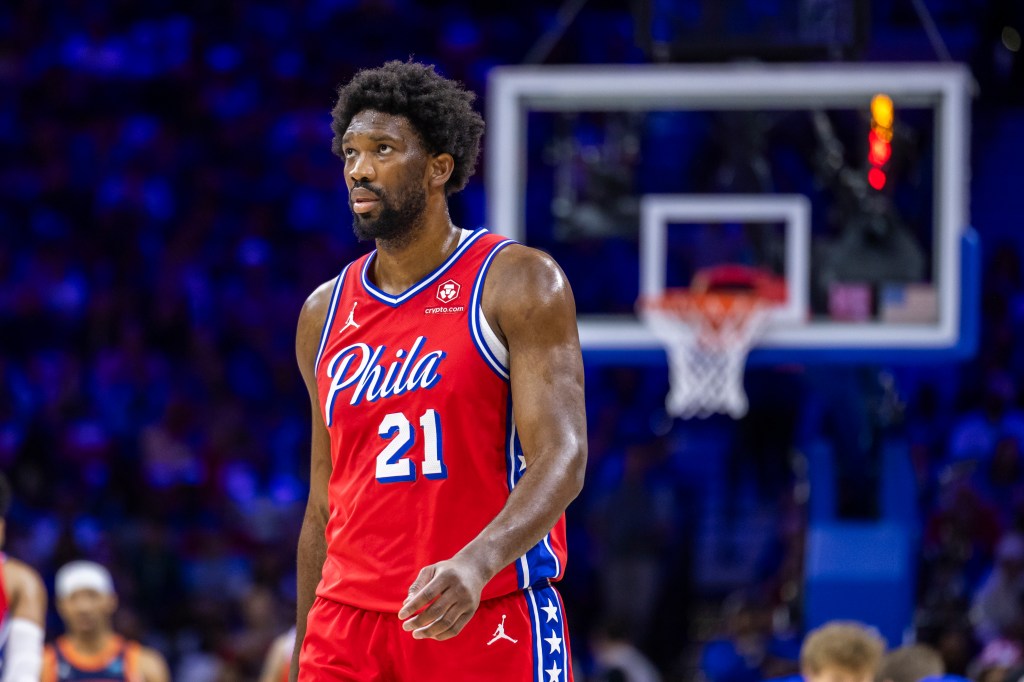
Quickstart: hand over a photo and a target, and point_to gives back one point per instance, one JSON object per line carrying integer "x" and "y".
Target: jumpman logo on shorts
{"x": 500, "y": 633}
{"x": 351, "y": 318}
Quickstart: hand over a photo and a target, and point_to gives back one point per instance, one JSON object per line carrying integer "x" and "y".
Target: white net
{"x": 707, "y": 338}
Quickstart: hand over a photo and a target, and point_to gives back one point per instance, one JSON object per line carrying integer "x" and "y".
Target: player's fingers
{"x": 424, "y": 594}
{"x": 455, "y": 629}
{"x": 425, "y": 575}
{"x": 441, "y": 625}
{"x": 431, "y": 613}
{"x": 424, "y": 590}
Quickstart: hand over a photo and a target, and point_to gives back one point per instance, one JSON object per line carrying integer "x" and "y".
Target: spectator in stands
{"x": 841, "y": 650}
{"x": 911, "y": 663}
{"x": 1000, "y": 479}
{"x": 1015, "y": 674}
{"x": 633, "y": 523}
{"x": 955, "y": 643}
{"x": 963, "y": 527}
{"x": 976, "y": 434}
{"x": 996, "y": 661}
{"x": 996, "y": 606}
{"x": 745, "y": 652}
{"x": 261, "y": 615}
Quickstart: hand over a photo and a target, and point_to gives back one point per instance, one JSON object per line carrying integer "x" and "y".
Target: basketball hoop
{"x": 707, "y": 331}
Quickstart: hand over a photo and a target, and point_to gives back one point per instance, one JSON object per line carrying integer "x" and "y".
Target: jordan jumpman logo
{"x": 500, "y": 633}
{"x": 351, "y": 318}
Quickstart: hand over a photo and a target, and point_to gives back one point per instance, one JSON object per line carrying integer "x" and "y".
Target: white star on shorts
{"x": 555, "y": 642}
{"x": 552, "y": 612}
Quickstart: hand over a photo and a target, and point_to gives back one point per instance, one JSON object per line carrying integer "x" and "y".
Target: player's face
{"x": 86, "y": 611}
{"x": 386, "y": 174}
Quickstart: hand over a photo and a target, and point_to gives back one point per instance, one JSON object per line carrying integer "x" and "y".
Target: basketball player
{"x": 446, "y": 381}
{"x": 90, "y": 649}
{"x": 22, "y": 610}
{"x": 841, "y": 651}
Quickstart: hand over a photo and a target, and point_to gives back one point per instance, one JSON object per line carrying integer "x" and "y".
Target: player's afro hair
{"x": 5, "y": 496}
{"x": 440, "y": 110}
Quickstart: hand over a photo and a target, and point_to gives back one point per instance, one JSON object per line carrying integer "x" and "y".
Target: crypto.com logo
{"x": 448, "y": 291}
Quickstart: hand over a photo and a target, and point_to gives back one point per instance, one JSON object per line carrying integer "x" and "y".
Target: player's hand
{"x": 443, "y": 598}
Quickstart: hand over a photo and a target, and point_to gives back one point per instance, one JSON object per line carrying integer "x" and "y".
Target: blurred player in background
{"x": 90, "y": 649}
{"x": 279, "y": 658}
{"x": 911, "y": 663}
{"x": 22, "y": 610}
{"x": 841, "y": 651}
{"x": 446, "y": 380}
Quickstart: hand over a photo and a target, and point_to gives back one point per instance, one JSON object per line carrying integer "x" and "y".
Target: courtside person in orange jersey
{"x": 90, "y": 649}
{"x": 22, "y": 610}
{"x": 446, "y": 383}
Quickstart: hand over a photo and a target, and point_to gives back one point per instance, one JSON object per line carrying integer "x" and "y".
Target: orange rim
{"x": 715, "y": 307}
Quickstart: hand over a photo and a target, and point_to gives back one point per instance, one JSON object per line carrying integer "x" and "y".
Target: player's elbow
{"x": 576, "y": 468}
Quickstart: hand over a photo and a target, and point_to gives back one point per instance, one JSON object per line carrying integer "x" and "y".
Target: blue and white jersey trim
{"x": 540, "y": 561}
{"x": 484, "y": 338}
{"x": 395, "y": 301}
{"x": 491, "y": 341}
{"x": 5, "y": 631}
{"x": 339, "y": 284}
{"x": 550, "y": 634}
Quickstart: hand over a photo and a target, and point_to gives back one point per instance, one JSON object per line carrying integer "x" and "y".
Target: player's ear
{"x": 439, "y": 169}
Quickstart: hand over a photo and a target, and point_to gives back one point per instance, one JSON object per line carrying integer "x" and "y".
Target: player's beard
{"x": 397, "y": 219}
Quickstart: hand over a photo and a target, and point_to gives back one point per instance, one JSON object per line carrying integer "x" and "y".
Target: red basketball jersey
{"x": 415, "y": 395}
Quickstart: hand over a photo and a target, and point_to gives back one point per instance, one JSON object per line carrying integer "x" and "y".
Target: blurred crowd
{"x": 168, "y": 199}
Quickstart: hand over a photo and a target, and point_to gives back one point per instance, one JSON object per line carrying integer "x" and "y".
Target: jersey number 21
{"x": 392, "y": 464}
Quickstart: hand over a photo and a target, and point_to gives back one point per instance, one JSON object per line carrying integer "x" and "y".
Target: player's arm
{"x": 529, "y": 299}
{"x": 152, "y": 666}
{"x": 312, "y": 551}
{"x": 24, "y": 658}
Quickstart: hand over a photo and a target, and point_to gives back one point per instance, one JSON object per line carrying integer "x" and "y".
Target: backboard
{"x": 650, "y": 172}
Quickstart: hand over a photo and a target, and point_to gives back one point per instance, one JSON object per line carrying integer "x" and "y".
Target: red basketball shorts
{"x": 519, "y": 637}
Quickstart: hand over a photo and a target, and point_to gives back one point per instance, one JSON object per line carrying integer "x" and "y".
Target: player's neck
{"x": 93, "y": 642}
{"x": 399, "y": 265}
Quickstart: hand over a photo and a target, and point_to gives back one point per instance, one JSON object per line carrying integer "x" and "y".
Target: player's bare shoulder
{"x": 311, "y": 322}
{"x": 20, "y": 576}
{"x": 314, "y": 310}
{"x": 152, "y": 665}
{"x": 26, "y": 589}
{"x": 525, "y": 284}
